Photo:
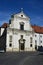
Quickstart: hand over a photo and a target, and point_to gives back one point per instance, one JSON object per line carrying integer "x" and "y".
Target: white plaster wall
{"x": 33, "y": 43}
{"x": 2, "y": 30}
{"x": 15, "y": 23}
{"x": 15, "y": 41}
{"x": 36, "y": 38}
{"x": 42, "y": 39}
{"x": 21, "y": 13}
{"x": 16, "y": 37}
{"x": 27, "y": 43}
{"x": 8, "y": 41}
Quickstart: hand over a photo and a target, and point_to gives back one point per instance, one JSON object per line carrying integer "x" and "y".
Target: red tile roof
{"x": 37, "y": 29}
{"x": 4, "y": 25}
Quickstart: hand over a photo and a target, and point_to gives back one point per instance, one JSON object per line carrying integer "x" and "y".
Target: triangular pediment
{"x": 22, "y": 14}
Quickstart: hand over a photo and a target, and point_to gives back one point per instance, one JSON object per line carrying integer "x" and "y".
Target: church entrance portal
{"x": 22, "y": 46}
{"x": 21, "y": 43}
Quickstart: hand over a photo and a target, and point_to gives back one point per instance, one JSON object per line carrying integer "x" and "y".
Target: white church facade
{"x": 18, "y": 33}
{"x": 21, "y": 35}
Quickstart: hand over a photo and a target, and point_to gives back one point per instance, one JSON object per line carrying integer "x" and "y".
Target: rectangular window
{"x": 41, "y": 41}
{"x": 40, "y": 35}
{"x": 10, "y": 41}
{"x": 30, "y": 39}
{"x": 35, "y": 35}
{"x": 10, "y": 45}
{"x": 10, "y": 38}
{"x": 35, "y": 42}
{"x": 21, "y": 27}
{"x": 30, "y": 45}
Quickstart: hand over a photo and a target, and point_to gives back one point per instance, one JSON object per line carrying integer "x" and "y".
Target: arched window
{"x": 10, "y": 44}
{"x": 30, "y": 45}
{"x": 21, "y": 25}
{"x": 10, "y": 21}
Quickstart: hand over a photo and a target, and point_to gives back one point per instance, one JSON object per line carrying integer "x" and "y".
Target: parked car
{"x": 40, "y": 48}
{"x": 1, "y": 51}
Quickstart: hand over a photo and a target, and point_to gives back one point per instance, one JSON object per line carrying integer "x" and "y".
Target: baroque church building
{"x": 20, "y": 35}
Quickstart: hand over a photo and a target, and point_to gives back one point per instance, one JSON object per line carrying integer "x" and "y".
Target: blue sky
{"x": 33, "y": 9}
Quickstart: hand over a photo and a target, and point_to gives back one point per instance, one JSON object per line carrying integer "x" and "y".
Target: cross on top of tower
{"x": 21, "y": 9}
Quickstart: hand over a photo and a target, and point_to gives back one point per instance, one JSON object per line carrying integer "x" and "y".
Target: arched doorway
{"x": 21, "y": 44}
